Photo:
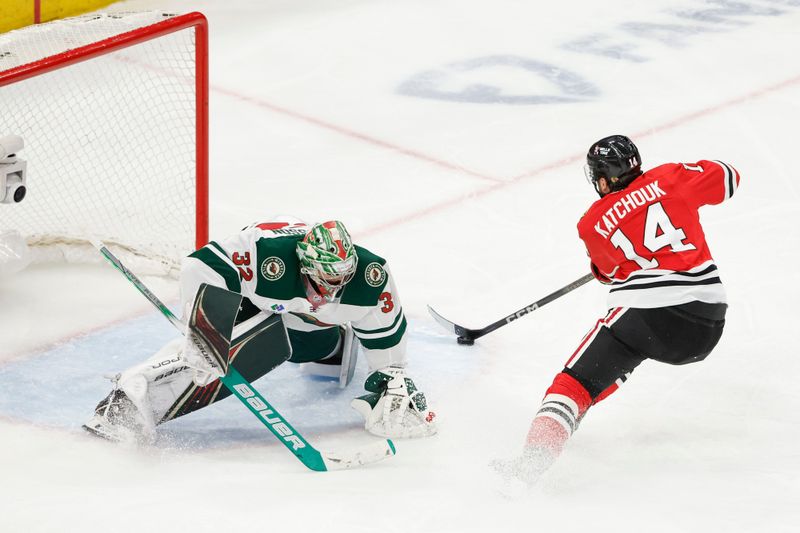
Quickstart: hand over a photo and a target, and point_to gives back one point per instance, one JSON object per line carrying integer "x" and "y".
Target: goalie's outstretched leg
{"x": 164, "y": 387}
{"x": 140, "y": 396}
{"x": 315, "y": 281}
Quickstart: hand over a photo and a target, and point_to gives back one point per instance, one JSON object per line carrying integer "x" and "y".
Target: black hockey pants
{"x": 675, "y": 335}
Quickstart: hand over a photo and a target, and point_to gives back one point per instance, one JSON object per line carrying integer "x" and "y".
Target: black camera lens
{"x": 19, "y": 194}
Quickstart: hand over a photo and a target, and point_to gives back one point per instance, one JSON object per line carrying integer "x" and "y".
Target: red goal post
{"x": 113, "y": 111}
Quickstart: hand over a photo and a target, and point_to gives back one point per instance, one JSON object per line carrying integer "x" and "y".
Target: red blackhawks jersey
{"x": 647, "y": 238}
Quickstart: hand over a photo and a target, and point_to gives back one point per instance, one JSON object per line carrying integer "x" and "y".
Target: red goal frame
{"x": 194, "y": 20}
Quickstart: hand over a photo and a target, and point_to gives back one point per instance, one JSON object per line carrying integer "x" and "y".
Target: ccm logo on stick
{"x": 521, "y": 313}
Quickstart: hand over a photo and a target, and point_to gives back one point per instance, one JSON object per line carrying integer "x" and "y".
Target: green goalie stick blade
{"x": 249, "y": 396}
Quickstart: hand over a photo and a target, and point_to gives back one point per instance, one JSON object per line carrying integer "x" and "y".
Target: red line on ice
{"x": 680, "y": 121}
{"x": 354, "y": 134}
{"x": 446, "y": 204}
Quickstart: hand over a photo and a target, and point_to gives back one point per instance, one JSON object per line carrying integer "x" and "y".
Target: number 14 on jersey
{"x": 659, "y": 232}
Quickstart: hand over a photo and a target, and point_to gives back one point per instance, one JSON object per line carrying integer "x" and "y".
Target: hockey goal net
{"x": 112, "y": 109}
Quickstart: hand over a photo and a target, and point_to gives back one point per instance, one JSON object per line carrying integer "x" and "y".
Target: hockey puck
{"x": 465, "y": 341}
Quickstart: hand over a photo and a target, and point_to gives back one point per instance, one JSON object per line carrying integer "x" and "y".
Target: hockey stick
{"x": 258, "y": 405}
{"x": 467, "y": 336}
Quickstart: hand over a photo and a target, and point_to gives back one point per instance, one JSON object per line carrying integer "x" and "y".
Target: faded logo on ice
{"x": 517, "y": 80}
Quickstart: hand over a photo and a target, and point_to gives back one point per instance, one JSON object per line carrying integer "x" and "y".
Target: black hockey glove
{"x": 599, "y": 276}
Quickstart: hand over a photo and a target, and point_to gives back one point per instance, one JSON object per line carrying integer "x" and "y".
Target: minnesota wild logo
{"x": 272, "y": 268}
{"x": 375, "y": 274}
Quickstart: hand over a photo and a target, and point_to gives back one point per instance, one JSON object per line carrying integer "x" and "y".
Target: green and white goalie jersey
{"x": 261, "y": 263}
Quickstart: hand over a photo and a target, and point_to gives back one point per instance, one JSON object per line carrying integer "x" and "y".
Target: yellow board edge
{"x": 18, "y": 13}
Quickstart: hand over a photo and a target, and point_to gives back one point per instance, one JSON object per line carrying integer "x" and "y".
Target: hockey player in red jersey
{"x": 666, "y": 300}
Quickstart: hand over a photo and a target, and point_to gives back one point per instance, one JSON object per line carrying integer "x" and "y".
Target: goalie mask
{"x": 327, "y": 257}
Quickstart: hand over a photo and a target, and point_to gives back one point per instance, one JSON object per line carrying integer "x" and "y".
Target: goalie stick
{"x": 258, "y": 405}
{"x": 467, "y": 336}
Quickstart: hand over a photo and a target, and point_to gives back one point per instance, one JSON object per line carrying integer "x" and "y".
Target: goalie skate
{"x": 117, "y": 419}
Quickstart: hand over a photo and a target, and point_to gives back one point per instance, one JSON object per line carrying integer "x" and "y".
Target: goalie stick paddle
{"x": 467, "y": 336}
{"x": 258, "y": 405}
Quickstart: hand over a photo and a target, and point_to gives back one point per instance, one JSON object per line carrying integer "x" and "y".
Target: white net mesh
{"x": 110, "y": 142}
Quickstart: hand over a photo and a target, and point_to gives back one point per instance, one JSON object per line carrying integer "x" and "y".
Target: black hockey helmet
{"x": 614, "y": 158}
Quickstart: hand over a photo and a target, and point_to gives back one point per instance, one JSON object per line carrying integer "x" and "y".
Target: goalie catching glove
{"x": 394, "y": 408}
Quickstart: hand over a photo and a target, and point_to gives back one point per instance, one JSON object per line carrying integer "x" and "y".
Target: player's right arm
{"x": 707, "y": 182}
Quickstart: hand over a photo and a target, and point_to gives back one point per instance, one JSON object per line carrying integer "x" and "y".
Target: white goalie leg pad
{"x": 167, "y": 377}
{"x": 135, "y": 387}
{"x": 349, "y": 357}
{"x": 152, "y": 387}
{"x": 327, "y": 367}
{"x": 321, "y": 371}
{"x": 341, "y": 364}
{"x": 194, "y": 355}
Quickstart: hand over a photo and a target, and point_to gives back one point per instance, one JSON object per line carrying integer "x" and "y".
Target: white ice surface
{"x": 474, "y": 205}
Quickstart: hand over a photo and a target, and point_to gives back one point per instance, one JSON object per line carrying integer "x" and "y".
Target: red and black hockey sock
{"x": 564, "y": 404}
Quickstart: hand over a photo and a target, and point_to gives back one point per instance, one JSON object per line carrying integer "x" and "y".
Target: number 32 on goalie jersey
{"x": 242, "y": 262}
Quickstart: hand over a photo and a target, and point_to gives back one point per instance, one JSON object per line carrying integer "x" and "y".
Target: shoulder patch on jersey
{"x": 278, "y": 275}
{"x": 273, "y": 268}
{"x": 374, "y": 274}
{"x": 371, "y": 277}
